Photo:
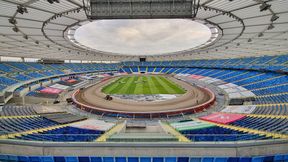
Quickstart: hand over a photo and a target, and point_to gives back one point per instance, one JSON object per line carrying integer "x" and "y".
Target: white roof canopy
{"x": 42, "y": 32}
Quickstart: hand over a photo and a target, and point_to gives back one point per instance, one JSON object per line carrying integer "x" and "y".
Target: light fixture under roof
{"x": 260, "y": 35}
{"x": 21, "y": 9}
{"x": 52, "y": 1}
{"x": 274, "y": 17}
{"x": 249, "y": 40}
{"x": 15, "y": 29}
{"x": 270, "y": 27}
{"x": 264, "y": 7}
{"x": 12, "y": 21}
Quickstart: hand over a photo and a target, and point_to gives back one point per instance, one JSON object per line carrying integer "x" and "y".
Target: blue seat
{"x": 71, "y": 159}
{"x": 120, "y": 159}
{"x": 171, "y": 159}
{"x": 12, "y": 158}
{"x": 220, "y": 159}
{"x": 182, "y": 159}
{"x": 59, "y": 159}
{"x": 47, "y": 159}
{"x": 23, "y": 159}
{"x": 133, "y": 159}
{"x": 35, "y": 159}
{"x": 108, "y": 159}
{"x": 257, "y": 159}
{"x": 83, "y": 159}
{"x": 145, "y": 159}
{"x": 195, "y": 159}
{"x": 244, "y": 159}
{"x": 157, "y": 159}
{"x": 207, "y": 159}
{"x": 3, "y": 157}
{"x": 95, "y": 159}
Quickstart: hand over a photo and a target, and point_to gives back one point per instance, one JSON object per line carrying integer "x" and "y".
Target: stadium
{"x": 144, "y": 81}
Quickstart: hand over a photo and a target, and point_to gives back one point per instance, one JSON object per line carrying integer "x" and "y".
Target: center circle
{"x": 142, "y": 36}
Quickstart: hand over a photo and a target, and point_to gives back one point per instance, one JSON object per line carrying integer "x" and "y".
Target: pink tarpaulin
{"x": 195, "y": 76}
{"x": 51, "y": 90}
{"x": 222, "y": 118}
{"x": 106, "y": 75}
{"x": 65, "y": 78}
{"x": 71, "y": 80}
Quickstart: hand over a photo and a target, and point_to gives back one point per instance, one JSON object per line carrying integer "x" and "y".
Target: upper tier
{"x": 12, "y": 73}
{"x": 270, "y": 63}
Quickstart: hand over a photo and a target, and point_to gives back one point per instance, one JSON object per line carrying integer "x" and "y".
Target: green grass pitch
{"x": 143, "y": 85}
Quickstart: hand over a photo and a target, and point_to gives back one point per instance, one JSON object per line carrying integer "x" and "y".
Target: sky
{"x": 142, "y": 37}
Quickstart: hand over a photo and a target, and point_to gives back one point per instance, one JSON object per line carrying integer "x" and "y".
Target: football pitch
{"x": 143, "y": 85}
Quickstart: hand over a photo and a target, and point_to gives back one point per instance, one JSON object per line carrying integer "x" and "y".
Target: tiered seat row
{"x": 275, "y": 125}
{"x": 280, "y": 79}
{"x": 12, "y": 110}
{"x": 272, "y": 90}
{"x": 65, "y": 134}
{"x": 275, "y": 158}
{"x": 15, "y": 72}
{"x": 216, "y": 133}
{"x": 200, "y": 131}
{"x": 271, "y": 99}
{"x": 64, "y": 118}
{"x": 21, "y": 77}
{"x": 256, "y": 78}
{"x": 271, "y": 110}
{"x": 15, "y": 125}
{"x": 272, "y": 63}
{"x": 6, "y": 81}
{"x": 60, "y": 127}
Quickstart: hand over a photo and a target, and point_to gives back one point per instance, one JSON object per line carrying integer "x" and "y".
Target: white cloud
{"x": 142, "y": 37}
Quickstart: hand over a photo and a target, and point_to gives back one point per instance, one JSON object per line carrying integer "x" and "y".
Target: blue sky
{"x": 142, "y": 37}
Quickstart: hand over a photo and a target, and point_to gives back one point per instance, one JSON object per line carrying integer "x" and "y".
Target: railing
{"x": 195, "y": 138}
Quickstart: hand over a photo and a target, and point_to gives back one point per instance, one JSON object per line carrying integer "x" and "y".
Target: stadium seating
{"x": 23, "y": 158}
{"x": 7, "y": 81}
{"x": 21, "y": 77}
{"x": 275, "y": 125}
{"x": 12, "y": 110}
{"x": 271, "y": 99}
{"x": 270, "y": 87}
{"x": 15, "y": 72}
{"x": 7, "y": 69}
{"x": 242, "y": 77}
{"x": 257, "y": 63}
{"x": 35, "y": 75}
{"x": 65, "y": 134}
{"x": 271, "y": 109}
{"x": 21, "y": 66}
{"x": 14, "y": 125}
{"x": 216, "y": 133}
